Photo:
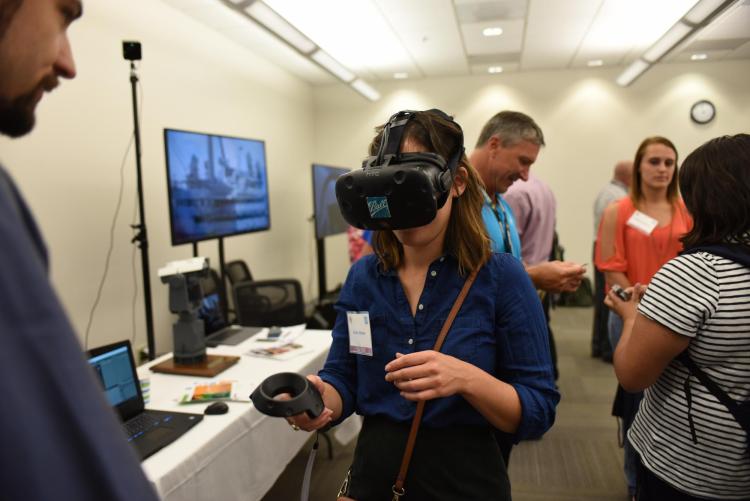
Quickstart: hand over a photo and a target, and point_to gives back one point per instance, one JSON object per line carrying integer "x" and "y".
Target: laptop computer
{"x": 231, "y": 335}
{"x": 217, "y": 330}
{"x": 147, "y": 430}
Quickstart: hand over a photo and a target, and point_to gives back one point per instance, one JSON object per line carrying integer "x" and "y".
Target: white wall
{"x": 191, "y": 78}
{"x": 589, "y": 122}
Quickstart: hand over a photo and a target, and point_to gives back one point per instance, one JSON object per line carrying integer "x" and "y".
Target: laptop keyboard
{"x": 141, "y": 424}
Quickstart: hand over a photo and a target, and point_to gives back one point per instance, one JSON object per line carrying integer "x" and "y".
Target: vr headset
{"x": 396, "y": 190}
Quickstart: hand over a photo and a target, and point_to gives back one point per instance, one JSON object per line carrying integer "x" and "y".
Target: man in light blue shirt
{"x": 507, "y": 147}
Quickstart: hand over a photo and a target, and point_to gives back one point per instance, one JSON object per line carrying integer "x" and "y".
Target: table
{"x": 237, "y": 455}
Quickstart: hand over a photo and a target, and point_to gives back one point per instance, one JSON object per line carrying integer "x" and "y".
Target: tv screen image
{"x": 328, "y": 219}
{"x": 217, "y": 185}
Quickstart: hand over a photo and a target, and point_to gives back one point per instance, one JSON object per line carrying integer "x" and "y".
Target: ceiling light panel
{"x": 510, "y": 41}
{"x": 483, "y": 69}
{"x": 702, "y": 10}
{"x": 222, "y": 17}
{"x": 329, "y": 63}
{"x": 670, "y": 39}
{"x": 352, "y": 31}
{"x": 280, "y": 26}
{"x": 365, "y": 89}
{"x": 433, "y": 41}
{"x": 554, "y": 31}
{"x": 632, "y": 72}
{"x": 622, "y": 27}
{"x": 494, "y": 31}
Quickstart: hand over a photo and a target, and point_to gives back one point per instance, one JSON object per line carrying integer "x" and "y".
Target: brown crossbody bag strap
{"x": 398, "y": 487}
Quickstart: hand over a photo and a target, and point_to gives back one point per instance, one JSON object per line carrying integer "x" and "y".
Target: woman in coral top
{"x": 637, "y": 235}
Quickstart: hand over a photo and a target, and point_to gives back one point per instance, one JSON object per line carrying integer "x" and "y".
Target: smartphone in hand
{"x": 625, "y": 296}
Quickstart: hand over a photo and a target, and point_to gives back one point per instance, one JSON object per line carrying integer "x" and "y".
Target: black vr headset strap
{"x": 456, "y": 157}
{"x": 393, "y": 134}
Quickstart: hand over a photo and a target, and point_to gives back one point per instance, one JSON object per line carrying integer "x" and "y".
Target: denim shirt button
{"x": 411, "y": 341}
{"x": 420, "y": 307}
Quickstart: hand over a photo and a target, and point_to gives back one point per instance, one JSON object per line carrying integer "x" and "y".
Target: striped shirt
{"x": 706, "y": 298}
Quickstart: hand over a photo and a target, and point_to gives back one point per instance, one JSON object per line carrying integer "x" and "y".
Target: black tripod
{"x": 132, "y": 52}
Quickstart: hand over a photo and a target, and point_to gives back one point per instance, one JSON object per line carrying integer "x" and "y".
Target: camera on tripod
{"x": 131, "y": 50}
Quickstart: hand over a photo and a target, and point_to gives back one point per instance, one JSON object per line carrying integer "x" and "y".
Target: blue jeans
{"x": 614, "y": 328}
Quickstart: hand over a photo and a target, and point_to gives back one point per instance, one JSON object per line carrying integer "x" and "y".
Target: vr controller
{"x": 304, "y": 396}
{"x": 395, "y": 190}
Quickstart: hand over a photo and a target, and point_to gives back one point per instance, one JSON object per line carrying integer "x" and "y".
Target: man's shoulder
{"x": 19, "y": 226}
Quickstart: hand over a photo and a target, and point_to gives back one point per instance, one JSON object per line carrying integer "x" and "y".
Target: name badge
{"x": 360, "y": 337}
{"x": 642, "y": 222}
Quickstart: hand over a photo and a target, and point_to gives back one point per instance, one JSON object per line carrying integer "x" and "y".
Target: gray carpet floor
{"x": 577, "y": 460}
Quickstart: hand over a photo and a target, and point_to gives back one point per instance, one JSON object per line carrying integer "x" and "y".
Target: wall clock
{"x": 703, "y": 112}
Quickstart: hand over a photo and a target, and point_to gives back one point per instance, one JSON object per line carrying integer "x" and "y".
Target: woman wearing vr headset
{"x": 493, "y": 370}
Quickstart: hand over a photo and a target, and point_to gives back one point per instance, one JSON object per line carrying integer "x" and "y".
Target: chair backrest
{"x": 269, "y": 302}
{"x": 237, "y": 271}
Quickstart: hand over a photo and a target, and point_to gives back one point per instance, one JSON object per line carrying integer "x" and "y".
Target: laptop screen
{"x": 210, "y": 313}
{"x": 113, "y": 366}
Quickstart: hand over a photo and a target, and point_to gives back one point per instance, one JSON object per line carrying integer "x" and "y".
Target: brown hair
{"x": 636, "y": 192}
{"x": 466, "y": 237}
{"x": 715, "y": 183}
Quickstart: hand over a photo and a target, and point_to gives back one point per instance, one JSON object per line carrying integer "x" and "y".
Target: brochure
{"x": 210, "y": 392}
{"x": 284, "y": 352}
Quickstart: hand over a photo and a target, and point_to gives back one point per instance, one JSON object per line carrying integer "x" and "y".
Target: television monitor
{"x": 217, "y": 186}
{"x": 328, "y": 218}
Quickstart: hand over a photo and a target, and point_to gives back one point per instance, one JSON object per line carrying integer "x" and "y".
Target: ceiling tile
{"x": 478, "y": 11}
{"x": 510, "y": 41}
{"x": 433, "y": 41}
{"x": 622, "y": 27}
{"x": 554, "y": 32}
{"x": 734, "y": 23}
{"x": 354, "y": 32}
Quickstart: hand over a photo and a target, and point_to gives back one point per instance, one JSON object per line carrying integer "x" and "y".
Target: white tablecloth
{"x": 237, "y": 455}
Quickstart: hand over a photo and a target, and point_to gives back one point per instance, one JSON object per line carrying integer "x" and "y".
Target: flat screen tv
{"x": 328, "y": 219}
{"x": 217, "y": 186}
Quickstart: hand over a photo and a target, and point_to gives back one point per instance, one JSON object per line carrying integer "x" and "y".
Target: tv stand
{"x": 323, "y": 314}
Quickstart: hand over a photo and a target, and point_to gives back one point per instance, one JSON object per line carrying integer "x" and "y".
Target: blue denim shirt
{"x": 500, "y": 328}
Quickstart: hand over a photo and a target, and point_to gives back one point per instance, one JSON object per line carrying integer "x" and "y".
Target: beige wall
{"x": 191, "y": 78}
{"x": 589, "y": 122}
{"x": 195, "y": 79}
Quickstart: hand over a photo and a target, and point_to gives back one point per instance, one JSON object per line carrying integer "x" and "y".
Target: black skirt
{"x": 455, "y": 463}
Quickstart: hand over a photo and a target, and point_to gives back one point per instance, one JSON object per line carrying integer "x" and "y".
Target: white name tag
{"x": 642, "y": 222}
{"x": 360, "y": 337}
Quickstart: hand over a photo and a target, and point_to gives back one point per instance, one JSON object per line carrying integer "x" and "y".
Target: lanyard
{"x": 503, "y": 222}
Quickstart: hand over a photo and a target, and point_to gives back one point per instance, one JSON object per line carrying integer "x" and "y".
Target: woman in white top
{"x": 690, "y": 445}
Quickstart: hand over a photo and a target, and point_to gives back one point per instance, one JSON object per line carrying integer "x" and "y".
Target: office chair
{"x": 237, "y": 271}
{"x": 264, "y": 303}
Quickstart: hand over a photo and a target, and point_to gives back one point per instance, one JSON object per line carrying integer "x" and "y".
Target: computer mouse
{"x": 217, "y": 408}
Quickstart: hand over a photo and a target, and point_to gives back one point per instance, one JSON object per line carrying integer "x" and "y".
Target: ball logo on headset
{"x": 395, "y": 190}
